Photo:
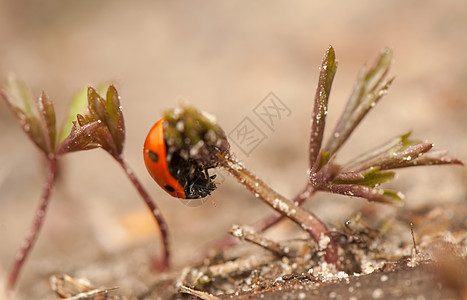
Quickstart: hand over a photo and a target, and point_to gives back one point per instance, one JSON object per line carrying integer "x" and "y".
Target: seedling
{"x": 199, "y": 144}
{"x": 361, "y": 177}
{"x": 102, "y": 126}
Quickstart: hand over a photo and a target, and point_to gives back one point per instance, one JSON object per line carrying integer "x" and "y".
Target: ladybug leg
{"x": 190, "y": 192}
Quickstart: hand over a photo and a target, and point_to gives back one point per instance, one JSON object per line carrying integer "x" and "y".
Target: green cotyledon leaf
{"x": 370, "y": 178}
{"x": 78, "y": 105}
{"x": 108, "y": 111}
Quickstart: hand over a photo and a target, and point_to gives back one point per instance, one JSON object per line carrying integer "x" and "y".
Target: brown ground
{"x": 225, "y": 58}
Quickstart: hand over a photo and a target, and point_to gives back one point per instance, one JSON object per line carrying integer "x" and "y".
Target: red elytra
{"x": 155, "y": 159}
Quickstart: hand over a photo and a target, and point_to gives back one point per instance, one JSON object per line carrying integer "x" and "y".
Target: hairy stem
{"x": 36, "y": 225}
{"x": 263, "y": 225}
{"x": 305, "y": 219}
{"x": 274, "y": 219}
{"x": 160, "y": 221}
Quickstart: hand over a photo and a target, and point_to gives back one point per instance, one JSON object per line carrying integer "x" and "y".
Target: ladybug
{"x": 178, "y": 176}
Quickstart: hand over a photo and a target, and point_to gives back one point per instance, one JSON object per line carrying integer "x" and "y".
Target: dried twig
{"x": 240, "y": 265}
{"x": 413, "y": 239}
{"x": 91, "y": 294}
{"x": 249, "y": 235}
{"x": 200, "y": 294}
{"x": 69, "y": 288}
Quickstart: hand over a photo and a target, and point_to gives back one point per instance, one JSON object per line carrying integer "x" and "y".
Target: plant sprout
{"x": 101, "y": 127}
{"x": 361, "y": 177}
{"x": 197, "y": 136}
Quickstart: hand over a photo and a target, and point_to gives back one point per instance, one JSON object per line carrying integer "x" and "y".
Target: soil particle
{"x": 403, "y": 283}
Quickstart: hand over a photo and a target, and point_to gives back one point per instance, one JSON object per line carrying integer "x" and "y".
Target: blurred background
{"x": 224, "y": 58}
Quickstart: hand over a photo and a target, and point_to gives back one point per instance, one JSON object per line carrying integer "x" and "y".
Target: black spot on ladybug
{"x": 169, "y": 188}
{"x": 153, "y": 156}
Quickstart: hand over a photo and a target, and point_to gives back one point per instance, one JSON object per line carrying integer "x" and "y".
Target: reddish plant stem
{"x": 270, "y": 221}
{"x": 36, "y": 225}
{"x": 305, "y": 219}
{"x": 263, "y": 225}
{"x": 160, "y": 221}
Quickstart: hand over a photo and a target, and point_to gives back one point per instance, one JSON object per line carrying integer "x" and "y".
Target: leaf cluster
{"x": 36, "y": 118}
{"x": 362, "y": 176}
{"x": 101, "y": 126}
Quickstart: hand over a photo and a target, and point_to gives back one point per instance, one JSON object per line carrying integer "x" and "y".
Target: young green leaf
{"x": 110, "y": 114}
{"x": 326, "y": 76}
{"x": 400, "y": 158}
{"x": 371, "y": 177}
{"x": 78, "y": 105}
{"x": 436, "y": 157}
{"x": 400, "y": 152}
{"x": 36, "y": 117}
{"x": 369, "y": 193}
{"x": 102, "y": 127}
{"x": 47, "y": 119}
{"x": 81, "y": 137}
{"x": 363, "y": 160}
{"x": 368, "y": 90}
{"x": 115, "y": 117}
